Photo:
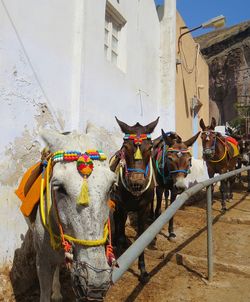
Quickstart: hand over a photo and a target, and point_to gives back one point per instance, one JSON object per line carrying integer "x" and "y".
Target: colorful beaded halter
{"x": 137, "y": 139}
{"x": 84, "y": 164}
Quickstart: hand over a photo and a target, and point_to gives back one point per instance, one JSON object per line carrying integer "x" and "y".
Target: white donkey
{"x": 85, "y": 223}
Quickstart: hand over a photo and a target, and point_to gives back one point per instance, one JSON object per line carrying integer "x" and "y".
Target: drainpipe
{"x": 168, "y": 65}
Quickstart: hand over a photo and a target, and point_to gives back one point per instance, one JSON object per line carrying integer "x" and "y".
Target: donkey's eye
{"x": 62, "y": 190}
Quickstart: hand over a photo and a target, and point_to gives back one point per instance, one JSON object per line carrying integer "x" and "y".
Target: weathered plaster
{"x": 19, "y": 155}
{"x": 13, "y": 226}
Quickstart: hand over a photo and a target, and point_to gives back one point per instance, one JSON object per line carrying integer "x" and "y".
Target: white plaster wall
{"x": 53, "y": 73}
{"x": 36, "y": 59}
{"x": 109, "y": 91}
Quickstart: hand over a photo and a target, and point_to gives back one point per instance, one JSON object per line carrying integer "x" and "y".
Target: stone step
{"x": 199, "y": 264}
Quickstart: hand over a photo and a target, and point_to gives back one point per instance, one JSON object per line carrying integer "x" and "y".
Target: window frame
{"x": 114, "y": 23}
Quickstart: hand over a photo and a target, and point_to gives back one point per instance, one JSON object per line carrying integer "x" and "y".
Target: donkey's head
{"x": 83, "y": 220}
{"x": 136, "y": 152}
{"x": 177, "y": 158}
{"x": 208, "y": 137}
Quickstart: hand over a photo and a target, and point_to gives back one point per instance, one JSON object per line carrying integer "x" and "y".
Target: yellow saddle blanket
{"x": 29, "y": 188}
{"x": 235, "y": 149}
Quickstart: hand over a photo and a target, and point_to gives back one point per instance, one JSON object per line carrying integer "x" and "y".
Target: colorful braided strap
{"x": 74, "y": 155}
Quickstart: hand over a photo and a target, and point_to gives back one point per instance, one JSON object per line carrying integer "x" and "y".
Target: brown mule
{"x": 172, "y": 160}
{"x": 220, "y": 156}
{"x": 135, "y": 187}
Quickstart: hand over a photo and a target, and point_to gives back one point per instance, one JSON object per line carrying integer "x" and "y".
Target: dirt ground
{"x": 171, "y": 281}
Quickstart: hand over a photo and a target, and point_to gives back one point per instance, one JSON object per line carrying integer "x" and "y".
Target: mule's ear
{"x": 124, "y": 127}
{"x": 229, "y": 130}
{"x": 202, "y": 125}
{"x": 150, "y": 127}
{"x": 167, "y": 138}
{"x": 53, "y": 139}
{"x": 213, "y": 123}
{"x": 190, "y": 141}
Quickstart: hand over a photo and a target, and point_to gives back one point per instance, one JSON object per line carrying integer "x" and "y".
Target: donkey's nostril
{"x": 136, "y": 187}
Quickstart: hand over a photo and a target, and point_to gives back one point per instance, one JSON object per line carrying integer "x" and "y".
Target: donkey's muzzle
{"x": 180, "y": 185}
{"x": 83, "y": 288}
{"x": 137, "y": 182}
{"x": 137, "y": 186}
{"x": 93, "y": 294}
{"x": 208, "y": 153}
{"x": 246, "y": 158}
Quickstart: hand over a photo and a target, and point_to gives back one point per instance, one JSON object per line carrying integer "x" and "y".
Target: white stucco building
{"x": 64, "y": 63}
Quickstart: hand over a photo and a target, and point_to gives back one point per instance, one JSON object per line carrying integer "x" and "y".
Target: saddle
{"x": 29, "y": 188}
{"x": 234, "y": 145}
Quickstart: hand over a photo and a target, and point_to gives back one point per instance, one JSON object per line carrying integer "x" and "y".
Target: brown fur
{"x": 223, "y": 165}
{"x": 130, "y": 198}
{"x": 167, "y": 181}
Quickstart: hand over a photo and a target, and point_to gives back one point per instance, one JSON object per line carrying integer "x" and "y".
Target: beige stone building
{"x": 192, "y": 84}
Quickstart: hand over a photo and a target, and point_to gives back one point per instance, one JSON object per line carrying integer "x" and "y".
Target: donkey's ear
{"x": 213, "y": 123}
{"x": 167, "y": 138}
{"x": 202, "y": 125}
{"x": 190, "y": 141}
{"x": 124, "y": 127}
{"x": 53, "y": 139}
{"x": 150, "y": 127}
{"x": 229, "y": 130}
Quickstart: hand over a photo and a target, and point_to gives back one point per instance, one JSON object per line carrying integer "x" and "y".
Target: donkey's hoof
{"x": 56, "y": 298}
{"x": 223, "y": 210}
{"x": 172, "y": 237}
{"x": 144, "y": 278}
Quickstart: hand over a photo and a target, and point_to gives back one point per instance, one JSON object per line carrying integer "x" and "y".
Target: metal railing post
{"x": 209, "y": 233}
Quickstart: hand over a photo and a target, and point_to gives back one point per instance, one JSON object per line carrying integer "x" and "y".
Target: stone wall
{"x": 227, "y": 53}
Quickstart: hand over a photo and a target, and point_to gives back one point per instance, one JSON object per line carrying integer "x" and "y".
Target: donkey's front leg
{"x": 223, "y": 190}
{"x": 45, "y": 272}
{"x": 171, "y": 232}
{"x": 248, "y": 181}
{"x": 56, "y": 287}
{"x": 230, "y": 182}
{"x": 159, "y": 193}
{"x": 120, "y": 240}
{"x": 144, "y": 276}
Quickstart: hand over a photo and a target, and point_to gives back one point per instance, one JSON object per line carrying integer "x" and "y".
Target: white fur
{"x": 83, "y": 222}
{"x": 180, "y": 183}
{"x": 198, "y": 173}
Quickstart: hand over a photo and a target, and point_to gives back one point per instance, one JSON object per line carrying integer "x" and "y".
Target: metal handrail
{"x": 133, "y": 252}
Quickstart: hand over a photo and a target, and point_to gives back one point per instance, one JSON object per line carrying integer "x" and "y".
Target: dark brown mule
{"x": 172, "y": 164}
{"x": 135, "y": 188}
{"x": 219, "y": 156}
{"x": 244, "y": 149}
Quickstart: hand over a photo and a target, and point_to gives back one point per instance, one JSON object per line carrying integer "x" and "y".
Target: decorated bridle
{"x": 160, "y": 162}
{"x": 137, "y": 140}
{"x": 211, "y": 150}
{"x": 85, "y": 166}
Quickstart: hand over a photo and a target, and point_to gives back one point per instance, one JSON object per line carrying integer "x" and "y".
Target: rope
{"x": 224, "y": 155}
{"x": 109, "y": 248}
